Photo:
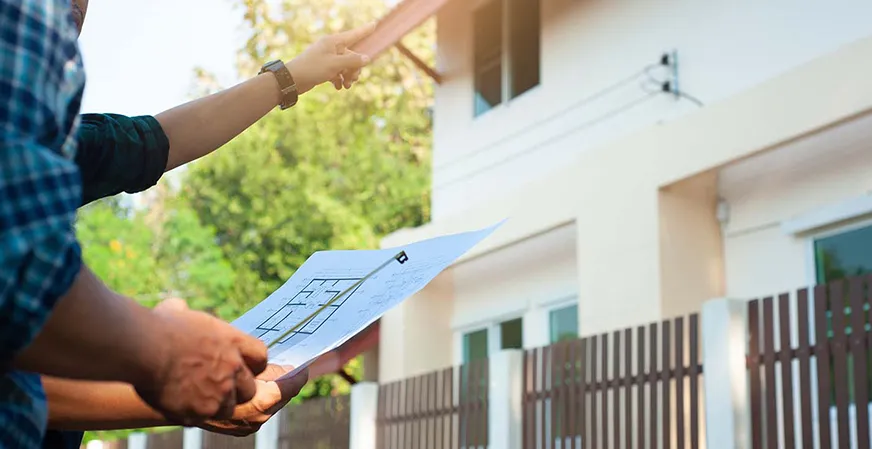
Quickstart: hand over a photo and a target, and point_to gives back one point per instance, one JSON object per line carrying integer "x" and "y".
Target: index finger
{"x": 351, "y": 37}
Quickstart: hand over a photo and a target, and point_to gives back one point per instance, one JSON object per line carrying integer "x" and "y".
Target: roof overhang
{"x": 400, "y": 21}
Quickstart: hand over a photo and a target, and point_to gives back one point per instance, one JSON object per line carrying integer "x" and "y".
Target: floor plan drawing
{"x": 315, "y": 295}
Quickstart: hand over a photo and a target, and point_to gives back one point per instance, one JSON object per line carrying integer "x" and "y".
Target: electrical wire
{"x": 553, "y": 139}
{"x": 651, "y": 85}
{"x": 623, "y": 82}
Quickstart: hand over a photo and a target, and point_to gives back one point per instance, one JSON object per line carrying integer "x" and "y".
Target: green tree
{"x": 338, "y": 171}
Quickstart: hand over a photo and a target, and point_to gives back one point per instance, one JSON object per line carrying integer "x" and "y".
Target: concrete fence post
{"x": 725, "y": 343}
{"x": 505, "y": 399}
{"x": 364, "y": 412}
{"x": 268, "y": 435}
{"x": 137, "y": 441}
{"x": 192, "y": 438}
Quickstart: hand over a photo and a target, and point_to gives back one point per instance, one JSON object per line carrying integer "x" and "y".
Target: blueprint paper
{"x": 328, "y": 273}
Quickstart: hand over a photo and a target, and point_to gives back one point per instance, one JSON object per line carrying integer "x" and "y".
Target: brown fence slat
{"x": 567, "y": 379}
{"x": 804, "y": 356}
{"x": 858, "y": 352}
{"x": 640, "y": 381}
{"x": 666, "y": 367}
{"x": 840, "y": 360}
{"x": 694, "y": 381}
{"x": 785, "y": 359}
{"x": 529, "y": 407}
{"x": 769, "y": 418}
{"x": 594, "y": 393}
{"x": 604, "y": 392}
{"x": 544, "y": 376}
{"x": 582, "y": 392}
{"x": 571, "y": 394}
{"x": 628, "y": 390}
{"x": 679, "y": 382}
{"x": 652, "y": 382}
{"x": 822, "y": 356}
{"x": 556, "y": 371}
{"x": 754, "y": 373}
{"x": 616, "y": 391}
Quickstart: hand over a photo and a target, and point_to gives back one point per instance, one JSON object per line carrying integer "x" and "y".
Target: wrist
{"x": 294, "y": 67}
{"x": 152, "y": 349}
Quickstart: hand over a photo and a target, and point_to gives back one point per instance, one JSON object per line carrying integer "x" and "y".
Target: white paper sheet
{"x": 328, "y": 273}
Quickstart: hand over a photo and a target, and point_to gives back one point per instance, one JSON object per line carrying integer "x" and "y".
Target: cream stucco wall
{"x": 765, "y": 191}
{"x": 724, "y": 48}
{"x": 612, "y": 194}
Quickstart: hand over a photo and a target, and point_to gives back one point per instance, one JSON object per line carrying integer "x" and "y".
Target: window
{"x": 506, "y": 47}
{"x": 843, "y": 255}
{"x": 563, "y": 323}
{"x": 838, "y": 257}
{"x": 475, "y": 346}
{"x": 512, "y": 334}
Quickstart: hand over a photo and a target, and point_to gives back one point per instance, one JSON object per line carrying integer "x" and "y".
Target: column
{"x": 505, "y": 399}
{"x": 725, "y": 342}
{"x": 364, "y": 412}
{"x": 192, "y": 438}
{"x": 268, "y": 435}
{"x": 137, "y": 441}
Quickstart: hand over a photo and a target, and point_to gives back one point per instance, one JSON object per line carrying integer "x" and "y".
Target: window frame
{"x": 494, "y": 334}
{"x": 831, "y": 230}
{"x": 506, "y": 88}
{"x": 560, "y": 306}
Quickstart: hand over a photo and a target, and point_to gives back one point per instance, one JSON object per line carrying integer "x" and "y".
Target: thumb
{"x": 351, "y": 61}
{"x": 172, "y": 304}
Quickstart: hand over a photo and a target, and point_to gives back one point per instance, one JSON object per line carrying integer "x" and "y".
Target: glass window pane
{"x": 843, "y": 255}
{"x": 564, "y": 324}
{"x": 488, "y": 41}
{"x": 475, "y": 346}
{"x": 512, "y": 334}
{"x": 524, "y": 45}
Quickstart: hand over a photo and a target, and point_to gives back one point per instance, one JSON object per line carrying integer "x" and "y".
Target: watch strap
{"x": 287, "y": 85}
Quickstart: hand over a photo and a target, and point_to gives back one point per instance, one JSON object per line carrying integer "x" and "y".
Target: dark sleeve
{"x": 119, "y": 154}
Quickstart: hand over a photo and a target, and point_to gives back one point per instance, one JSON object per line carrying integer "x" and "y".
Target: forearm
{"x": 199, "y": 127}
{"x": 84, "y": 406}
{"x": 95, "y": 334}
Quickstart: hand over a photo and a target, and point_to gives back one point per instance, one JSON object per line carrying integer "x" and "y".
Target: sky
{"x": 140, "y": 56}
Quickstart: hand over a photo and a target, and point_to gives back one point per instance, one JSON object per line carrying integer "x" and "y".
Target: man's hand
{"x": 329, "y": 59}
{"x": 209, "y": 367}
{"x": 274, "y": 390}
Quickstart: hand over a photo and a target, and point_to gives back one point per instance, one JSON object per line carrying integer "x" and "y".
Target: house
{"x": 649, "y": 156}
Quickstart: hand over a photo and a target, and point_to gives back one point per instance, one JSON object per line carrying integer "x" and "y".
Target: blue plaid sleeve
{"x": 41, "y": 84}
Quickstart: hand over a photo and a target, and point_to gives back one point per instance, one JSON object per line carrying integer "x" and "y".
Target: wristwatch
{"x": 286, "y": 82}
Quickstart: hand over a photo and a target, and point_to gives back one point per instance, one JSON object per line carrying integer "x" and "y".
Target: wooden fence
{"x": 442, "y": 410}
{"x": 607, "y": 392}
{"x": 321, "y": 423}
{"x": 172, "y": 439}
{"x": 217, "y": 441}
{"x": 808, "y": 367}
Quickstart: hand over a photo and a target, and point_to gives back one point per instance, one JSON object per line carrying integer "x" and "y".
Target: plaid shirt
{"x": 41, "y": 84}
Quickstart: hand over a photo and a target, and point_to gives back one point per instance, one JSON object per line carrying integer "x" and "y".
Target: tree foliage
{"x": 338, "y": 171}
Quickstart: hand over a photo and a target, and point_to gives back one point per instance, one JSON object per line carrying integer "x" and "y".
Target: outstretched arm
{"x": 199, "y": 127}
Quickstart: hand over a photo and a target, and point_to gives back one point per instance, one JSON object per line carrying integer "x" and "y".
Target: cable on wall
{"x": 589, "y": 99}
{"x": 651, "y": 85}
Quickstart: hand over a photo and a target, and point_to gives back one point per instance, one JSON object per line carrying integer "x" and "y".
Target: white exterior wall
{"x": 765, "y": 191}
{"x": 724, "y": 47}
{"x": 624, "y": 196}
{"x": 525, "y": 280}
